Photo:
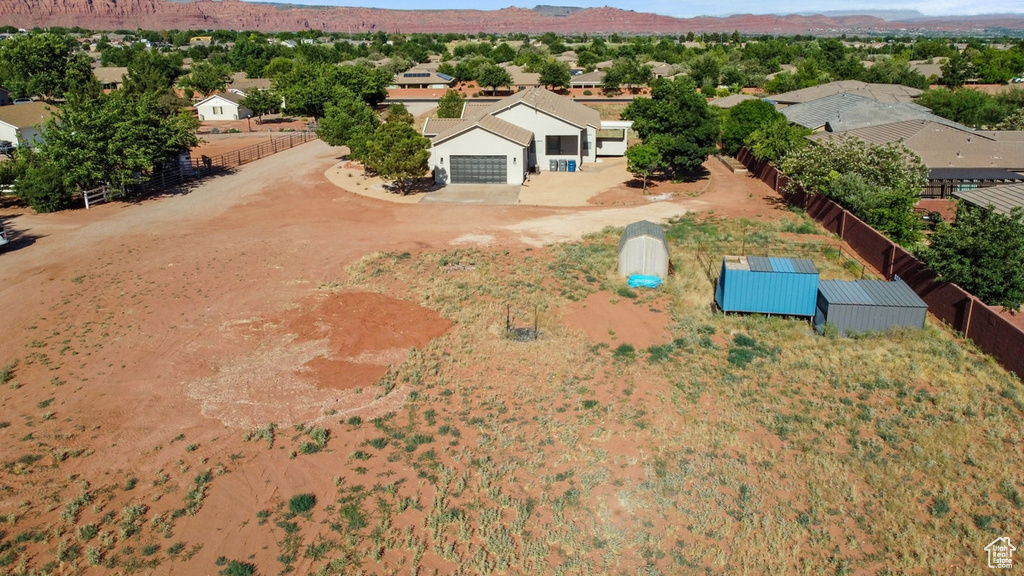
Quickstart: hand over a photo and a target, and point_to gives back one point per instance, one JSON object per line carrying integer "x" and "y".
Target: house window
{"x": 562, "y": 145}
{"x": 218, "y": 109}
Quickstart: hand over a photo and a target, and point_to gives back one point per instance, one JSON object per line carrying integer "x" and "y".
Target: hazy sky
{"x": 706, "y": 7}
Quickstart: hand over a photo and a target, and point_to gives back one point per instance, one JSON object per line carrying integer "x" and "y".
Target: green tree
{"x": 982, "y": 252}
{"x": 879, "y": 183}
{"x": 773, "y": 140}
{"x": 555, "y": 74}
{"x": 278, "y": 67}
{"x": 113, "y": 138}
{"x": 957, "y": 70}
{"x": 642, "y": 161}
{"x": 44, "y": 64}
{"x": 151, "y": 71}
{"x": 677, "y": 121}
{"x": 40, "y": 185}
{"x": 743, "y": 119}
{"x": 969, "y": 107}
{"x": 206, "y": 78}
{"x": 350, "y": 122}
{"x": 493, "y": 76}
{"x": 261, "y": 102}
{"x": 398, "y": 152}
{"x": 450, "y": 105}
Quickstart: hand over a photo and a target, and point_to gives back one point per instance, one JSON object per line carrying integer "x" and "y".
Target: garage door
{"x": 479, "y": 169}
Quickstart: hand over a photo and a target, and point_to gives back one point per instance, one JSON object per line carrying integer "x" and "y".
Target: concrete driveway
{"x": 490, "y": 194}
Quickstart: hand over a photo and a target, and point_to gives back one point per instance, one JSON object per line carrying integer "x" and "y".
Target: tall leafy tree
{"x": 555, "y": 74}
{"x": 983, "y": 252}
{"x": 46, "y": 65}
{"x": 677, "y": 121}
{"x": 206, "y": 78}
{"x": 450, "y": 105}
{"x": 493, "y": 76}
{"x": 261, "y": 102}
{"x": 775, "y": 139}
{"x": 743, "y": 119}
{"x": 957, "y": 70}
{"x": 153, "y": 72}
{"x": 113, "y": 138}
{"x": 349, "y": 121}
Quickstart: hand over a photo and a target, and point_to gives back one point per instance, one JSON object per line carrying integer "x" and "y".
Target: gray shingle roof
{"x": 732, "y": 100}
{"x": 1002, "y": 199}
{"x": 788, "y": 265}
{"x": 845, "y": 111}
{"x": 870, "y": 293}
{"x": 879, "y": 92}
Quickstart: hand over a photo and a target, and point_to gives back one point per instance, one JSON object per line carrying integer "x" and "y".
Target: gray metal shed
{"x": 643, "y": 250}
{"x": 868, "y": 306}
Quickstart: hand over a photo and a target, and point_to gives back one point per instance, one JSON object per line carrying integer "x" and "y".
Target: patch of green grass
{"x": 301, "y": 503}
{"x": 354, "y": 421}
{"x": 236, "y": 568}
{"x": 624, "y": 352}
{"x": 626, "y": 292}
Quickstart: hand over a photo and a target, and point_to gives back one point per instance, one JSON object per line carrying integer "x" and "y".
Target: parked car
{"x": 6, "y": 147}
{"x": 3, "y": 235}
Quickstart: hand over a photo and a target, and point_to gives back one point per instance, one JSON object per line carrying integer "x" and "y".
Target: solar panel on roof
{"x": 417, "y": 74}
{"x": 759, "y": 264}
{"x": 445, "y": 77}
{"x": 781, "y": 265}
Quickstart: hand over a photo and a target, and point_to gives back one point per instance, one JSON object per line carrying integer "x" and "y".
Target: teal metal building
{"x": 763, "y": 285}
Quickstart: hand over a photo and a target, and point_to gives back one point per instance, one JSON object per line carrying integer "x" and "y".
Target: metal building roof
{"x": 1002, "y": 199}
{"x": 870, "y": 293}
{"x": 973, "y": 174}
{"x": 643, "y": 228}
{"x": 783, "y": 265}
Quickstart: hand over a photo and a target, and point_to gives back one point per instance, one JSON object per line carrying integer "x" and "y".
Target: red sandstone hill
{"x": 237, "y": 15}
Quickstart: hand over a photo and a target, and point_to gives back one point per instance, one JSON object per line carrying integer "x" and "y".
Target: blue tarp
{"x": 644, "y": 281}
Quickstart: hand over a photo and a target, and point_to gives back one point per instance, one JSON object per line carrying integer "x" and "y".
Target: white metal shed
{"x": 643, "y": 249}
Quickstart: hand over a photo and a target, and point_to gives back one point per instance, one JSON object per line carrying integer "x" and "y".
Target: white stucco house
{"x": 501, "y": 142}
{"x": 223, "y": 106}
{"x": 22, "y": 124}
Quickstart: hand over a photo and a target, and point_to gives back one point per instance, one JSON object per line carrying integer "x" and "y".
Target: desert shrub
{"x": 301, "y": 503}
{"x": 660, "y": 353}
{"x": 626, "y": 292}
{"x": 588, "y": 92}
{"x": 746, "y": 349}
{"x": 939, "y": 507}
{"x": 378, "y": 443}
{"x": 236, "y": 568}
{"x": 624, "y": 352}
{"x": 354, "y": 421}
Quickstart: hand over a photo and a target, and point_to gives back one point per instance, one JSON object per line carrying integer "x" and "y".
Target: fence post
{"x": 967, "y": 319}
{"x": 238, "y": 153}
{"x": 273, "y": 143}
{"x": 842, "y": 224}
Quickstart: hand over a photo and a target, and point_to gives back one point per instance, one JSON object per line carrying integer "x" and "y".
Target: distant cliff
{"x": 237, "y": 15}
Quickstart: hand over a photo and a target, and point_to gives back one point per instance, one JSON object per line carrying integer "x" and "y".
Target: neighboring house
{"x": 888, "y": 93}
{"x": 588, "y": 80}
{"x": 422, "y": 78}
{"x": 242, "y": 83}
{"x": 731, "y": 100}
{"x": 21, "y": 124}
{"x": 110, "y": 77}
{"x": 929, "y": 68}
{"x": 521, "y": 79}
{"x": 502, "y": 141}
{"x": 223, "y": 106}
{"x": 845, "y": 111}
{"x": 5, "y": 97}
{"x": 200, "y": 41}
{"x": 958, "y": 159}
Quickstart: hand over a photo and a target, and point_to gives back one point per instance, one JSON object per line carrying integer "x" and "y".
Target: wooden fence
{"x": 992, "y": 333}
{"x": 174, "y": 174}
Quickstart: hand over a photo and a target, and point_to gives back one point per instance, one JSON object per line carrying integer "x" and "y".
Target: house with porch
{"x": 223, "y": 106}
{"x": 529, "y": 131}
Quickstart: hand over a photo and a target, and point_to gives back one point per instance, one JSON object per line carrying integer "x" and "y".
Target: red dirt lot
{"x": 151, "y": 336}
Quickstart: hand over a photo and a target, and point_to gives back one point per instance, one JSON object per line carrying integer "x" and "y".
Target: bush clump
{"x": 301, "y": 503}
